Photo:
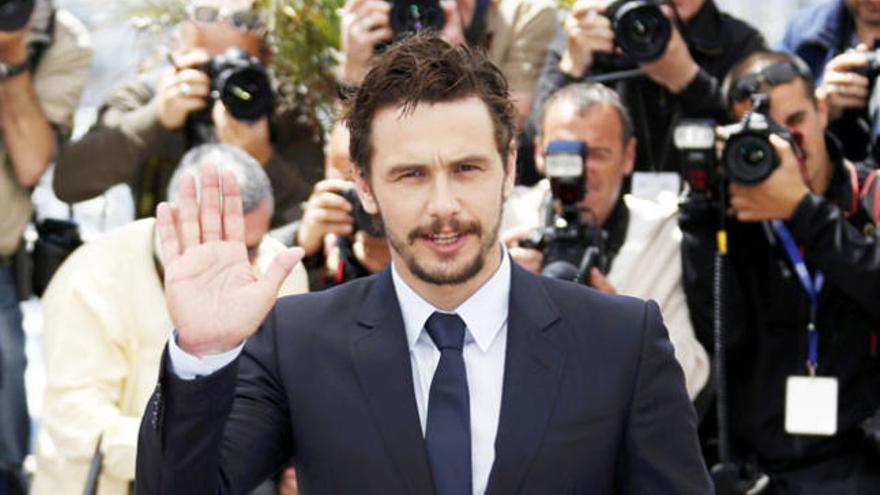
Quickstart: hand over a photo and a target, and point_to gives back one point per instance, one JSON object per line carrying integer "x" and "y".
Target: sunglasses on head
{"x": 750, "y": 83}
{"x": 244, "y": 20}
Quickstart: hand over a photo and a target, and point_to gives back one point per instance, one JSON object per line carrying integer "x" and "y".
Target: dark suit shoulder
{"x": 597, "y": 310}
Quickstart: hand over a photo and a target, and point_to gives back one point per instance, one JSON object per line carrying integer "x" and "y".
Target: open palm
{"x": 214, "y": 298}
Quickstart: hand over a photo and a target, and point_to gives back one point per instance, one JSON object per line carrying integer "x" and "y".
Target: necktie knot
{"x": 446, "y": 330}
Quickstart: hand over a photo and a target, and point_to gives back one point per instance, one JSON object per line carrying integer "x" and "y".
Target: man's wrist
{"x": 568, "y": 67}
{"x": 14, "y": 54}
{"x": 680, "y": 82}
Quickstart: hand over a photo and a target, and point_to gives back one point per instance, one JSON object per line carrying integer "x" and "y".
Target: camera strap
{"x": 812, "y": 286}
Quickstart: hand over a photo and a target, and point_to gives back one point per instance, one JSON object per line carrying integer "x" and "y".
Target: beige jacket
{"x": 106, "y": 325}
{"x": 647, "y": 266}
{"x": 58, "y": 82}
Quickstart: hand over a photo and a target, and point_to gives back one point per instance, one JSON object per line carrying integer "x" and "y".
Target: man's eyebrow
{"x": 795, "y": 117}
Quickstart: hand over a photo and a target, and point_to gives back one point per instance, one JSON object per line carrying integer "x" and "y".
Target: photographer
{"x": 515, "y": 34}
{"x": 44, "y": 63}
{"x": 683, "y": 81}
{"x": 802, "y": 267}
{"x": 337, "y": 249}
{"x": 107, "y": 302}
{"x": 833, "y": 38}
{"x": 642, "y": 243}
{"x": 147, "y": 125}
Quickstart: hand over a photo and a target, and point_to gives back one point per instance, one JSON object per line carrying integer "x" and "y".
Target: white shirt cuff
{"x": 188, "y": 367}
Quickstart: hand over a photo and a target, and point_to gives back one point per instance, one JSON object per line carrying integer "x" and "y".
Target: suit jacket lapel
{"x": 533, "y": 368}
{"x": 381, "y": 357}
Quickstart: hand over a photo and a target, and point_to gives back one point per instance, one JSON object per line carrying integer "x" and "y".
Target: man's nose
{"x": 443, "y": 200}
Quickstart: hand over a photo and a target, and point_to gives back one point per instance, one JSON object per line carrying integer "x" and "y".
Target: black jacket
{"x": 716, "y": 41}
{"x": 767, "y": 311}
{"x": 593, "y": 402}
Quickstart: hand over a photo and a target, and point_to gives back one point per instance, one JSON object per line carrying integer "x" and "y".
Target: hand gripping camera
{"x": 570, "y": 247}
{"x": 640, "y": 28}
{"x": 747, "y": 158}
{"x": 362, "y": 220}
{"x": 412, "y": 16}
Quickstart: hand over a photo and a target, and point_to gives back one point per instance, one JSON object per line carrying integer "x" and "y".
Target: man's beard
{"x": 443, "y": 276}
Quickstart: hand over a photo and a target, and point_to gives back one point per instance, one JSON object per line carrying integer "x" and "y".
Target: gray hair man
{"x": 631, "y": 226}
{"x": 107, "y": 302}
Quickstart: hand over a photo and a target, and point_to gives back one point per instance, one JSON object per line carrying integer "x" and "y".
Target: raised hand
{"x": 213, "y": 296}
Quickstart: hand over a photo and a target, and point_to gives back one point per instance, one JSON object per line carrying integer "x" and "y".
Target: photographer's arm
{"x": 849, "y": 258}
{"x": 129, "y": 128}
{"x": 27, "y": 134}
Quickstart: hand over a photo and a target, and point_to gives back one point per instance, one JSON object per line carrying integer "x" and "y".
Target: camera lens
{"x": 640, "y": 29}
{"x": 749, "y": 158}
{"x": 15, "y": 14}
{"x": 411, "y": 16}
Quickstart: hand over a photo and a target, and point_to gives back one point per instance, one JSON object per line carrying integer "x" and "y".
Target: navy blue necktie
{"x": 448, "y": 434}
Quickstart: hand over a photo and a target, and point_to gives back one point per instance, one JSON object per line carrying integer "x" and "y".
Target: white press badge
{"x": 811, "y": 405}
{"x": 649, "y": 185}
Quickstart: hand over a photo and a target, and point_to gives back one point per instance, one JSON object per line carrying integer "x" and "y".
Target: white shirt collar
{"x": 484, "y": 313}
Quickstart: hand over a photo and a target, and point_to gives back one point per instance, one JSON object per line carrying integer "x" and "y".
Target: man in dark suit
{"x": 451, "y": 372}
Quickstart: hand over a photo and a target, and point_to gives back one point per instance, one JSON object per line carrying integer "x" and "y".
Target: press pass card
{"x": 649, "y": 185}
{"x": 811, "y": 405}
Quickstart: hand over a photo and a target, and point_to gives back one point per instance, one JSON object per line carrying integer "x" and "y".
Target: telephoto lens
{"x": 241, "y": 82}
{"x": 15, "y": 14}
{"x": 412, "y": 16}
{"x": 749, "y": 157}
{"x": 640, "y": 29}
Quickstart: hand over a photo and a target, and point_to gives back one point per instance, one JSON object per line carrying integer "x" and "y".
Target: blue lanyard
{"x": 812, "y": 286}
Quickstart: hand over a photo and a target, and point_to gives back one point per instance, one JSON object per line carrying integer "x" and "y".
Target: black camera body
{"x": 570, "y": 247}
{"x": 748, "y": 156}
{"x": 15, "y": 14}
{"x": 362, "y": 220}
{"x": 411, "y": 16}
{"x": 640, "y": 29}
{"x": 241, "y": 82}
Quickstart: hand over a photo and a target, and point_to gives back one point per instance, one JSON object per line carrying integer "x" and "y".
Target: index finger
{"x": 586, "y": 6}
{"x": 332, "y": 185}
{"x": 189, "y": 59}
{"x": 848, "y": 61}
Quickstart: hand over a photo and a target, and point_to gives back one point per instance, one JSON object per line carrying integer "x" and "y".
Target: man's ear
{"x": 365, "y": 192}
{"x": 510, "y": 171}
{"x": 822, "y": 108}
{"x": 629, "y": 156}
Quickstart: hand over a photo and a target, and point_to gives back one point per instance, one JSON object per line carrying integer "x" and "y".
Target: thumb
{"x": 599, "y": 282}
{"x": 280, "y": 268}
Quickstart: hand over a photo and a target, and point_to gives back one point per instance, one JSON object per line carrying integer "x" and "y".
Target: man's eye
{"x": 467, "y": 167}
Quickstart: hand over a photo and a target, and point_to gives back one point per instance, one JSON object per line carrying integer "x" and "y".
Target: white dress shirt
{"x": 485, "y": 343}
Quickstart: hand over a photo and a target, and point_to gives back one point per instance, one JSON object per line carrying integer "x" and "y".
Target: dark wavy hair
{"x": 425, "y": 69}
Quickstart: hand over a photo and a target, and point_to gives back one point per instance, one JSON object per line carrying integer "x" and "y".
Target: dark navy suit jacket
{"x": 593, "y": 402}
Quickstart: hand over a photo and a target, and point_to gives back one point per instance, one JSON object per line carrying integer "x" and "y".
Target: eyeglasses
{"x": 244, "y": 20}
{"x": 781, "y": 72}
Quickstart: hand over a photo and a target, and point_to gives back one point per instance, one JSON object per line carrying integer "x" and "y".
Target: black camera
{"x": 15, "y": 14}
{"x": 748, "y": 156}
{"x": 640, "y": 29}
{"x": 570, "y": 247}
{"x": 241, "y": 82}
{"x": 412, "y": 16}
{"x": 362, "y": 220}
